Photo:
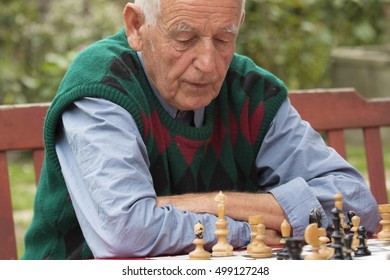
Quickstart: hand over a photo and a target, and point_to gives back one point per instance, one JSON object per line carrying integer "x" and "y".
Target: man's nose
{"x": 205, "y": 56}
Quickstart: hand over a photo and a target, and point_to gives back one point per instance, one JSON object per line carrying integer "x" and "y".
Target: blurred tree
{"x": 356, "y": 22}
{"x": 293, "y": 39}
{"x": 39, "y": 38}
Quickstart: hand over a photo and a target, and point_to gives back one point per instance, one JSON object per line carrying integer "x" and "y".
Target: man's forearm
{"x": 239, "y": 206}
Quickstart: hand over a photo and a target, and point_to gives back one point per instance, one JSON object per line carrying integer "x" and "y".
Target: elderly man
{"x": 149, "y": 124}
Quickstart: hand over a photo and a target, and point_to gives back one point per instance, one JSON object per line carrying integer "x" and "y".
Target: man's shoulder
{"x": 98, "y": 61}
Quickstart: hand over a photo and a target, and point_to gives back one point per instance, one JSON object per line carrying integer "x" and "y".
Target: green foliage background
{"x": 293, "y": 39}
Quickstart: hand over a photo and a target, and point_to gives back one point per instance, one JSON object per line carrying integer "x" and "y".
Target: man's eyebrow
{"x": 184, "y": 27}
{"x": 233, "y": 29}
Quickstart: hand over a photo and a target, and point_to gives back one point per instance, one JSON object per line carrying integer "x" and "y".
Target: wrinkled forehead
{"x": 209, "y": 3}
{"x": 186, "y": 14}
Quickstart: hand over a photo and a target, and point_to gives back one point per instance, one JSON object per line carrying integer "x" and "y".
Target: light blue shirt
{"x": 106, "y": 169}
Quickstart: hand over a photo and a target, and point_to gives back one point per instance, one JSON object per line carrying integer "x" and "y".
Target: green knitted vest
{"x": 220, "y": 155}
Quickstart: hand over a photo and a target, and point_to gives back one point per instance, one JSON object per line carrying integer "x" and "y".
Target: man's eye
{"x": 222, "y": 43}
{"x": 222, "y": 40}
{"x": 185, "y": 41}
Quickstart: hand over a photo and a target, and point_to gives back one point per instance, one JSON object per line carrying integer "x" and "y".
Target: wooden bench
{"x": 335, "y": 110}
{"x": 21, "y": 128}
{"x": 331, "y": 111}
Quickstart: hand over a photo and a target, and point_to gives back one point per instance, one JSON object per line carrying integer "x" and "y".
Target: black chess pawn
{"x": 294, "y": 247}
{"x": 337, "y": 236}
{"x": 350, "y": 215}
{"x": 283, "y": 254}
{"x": 362, "y": 249}
{"x": 348, "y": 246}
{"x": 315, "y": 217}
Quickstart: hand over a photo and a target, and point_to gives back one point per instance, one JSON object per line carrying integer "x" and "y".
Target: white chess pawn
{"x": 338, "y": 197}
{"x": 285, "y": 229}
{"x": 355, "y": 225}
{"x": 324, "y": 250}
{"x": 253, "y": 222}
{"x": 261, "y": 250}
{"x": 199, "y": 253}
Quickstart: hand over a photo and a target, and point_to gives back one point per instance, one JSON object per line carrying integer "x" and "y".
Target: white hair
{"x": 151, "y": 8}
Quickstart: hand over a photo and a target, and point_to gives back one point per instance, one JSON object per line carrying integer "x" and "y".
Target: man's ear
{"x": 133, "y": 19}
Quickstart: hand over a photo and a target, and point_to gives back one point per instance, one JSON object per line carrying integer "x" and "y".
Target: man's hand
{"x": 272, "y": 237}
{"x": 239, "y": 206}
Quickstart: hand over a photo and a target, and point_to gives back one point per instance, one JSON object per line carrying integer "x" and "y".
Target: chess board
{"x": 380, "y": 250}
